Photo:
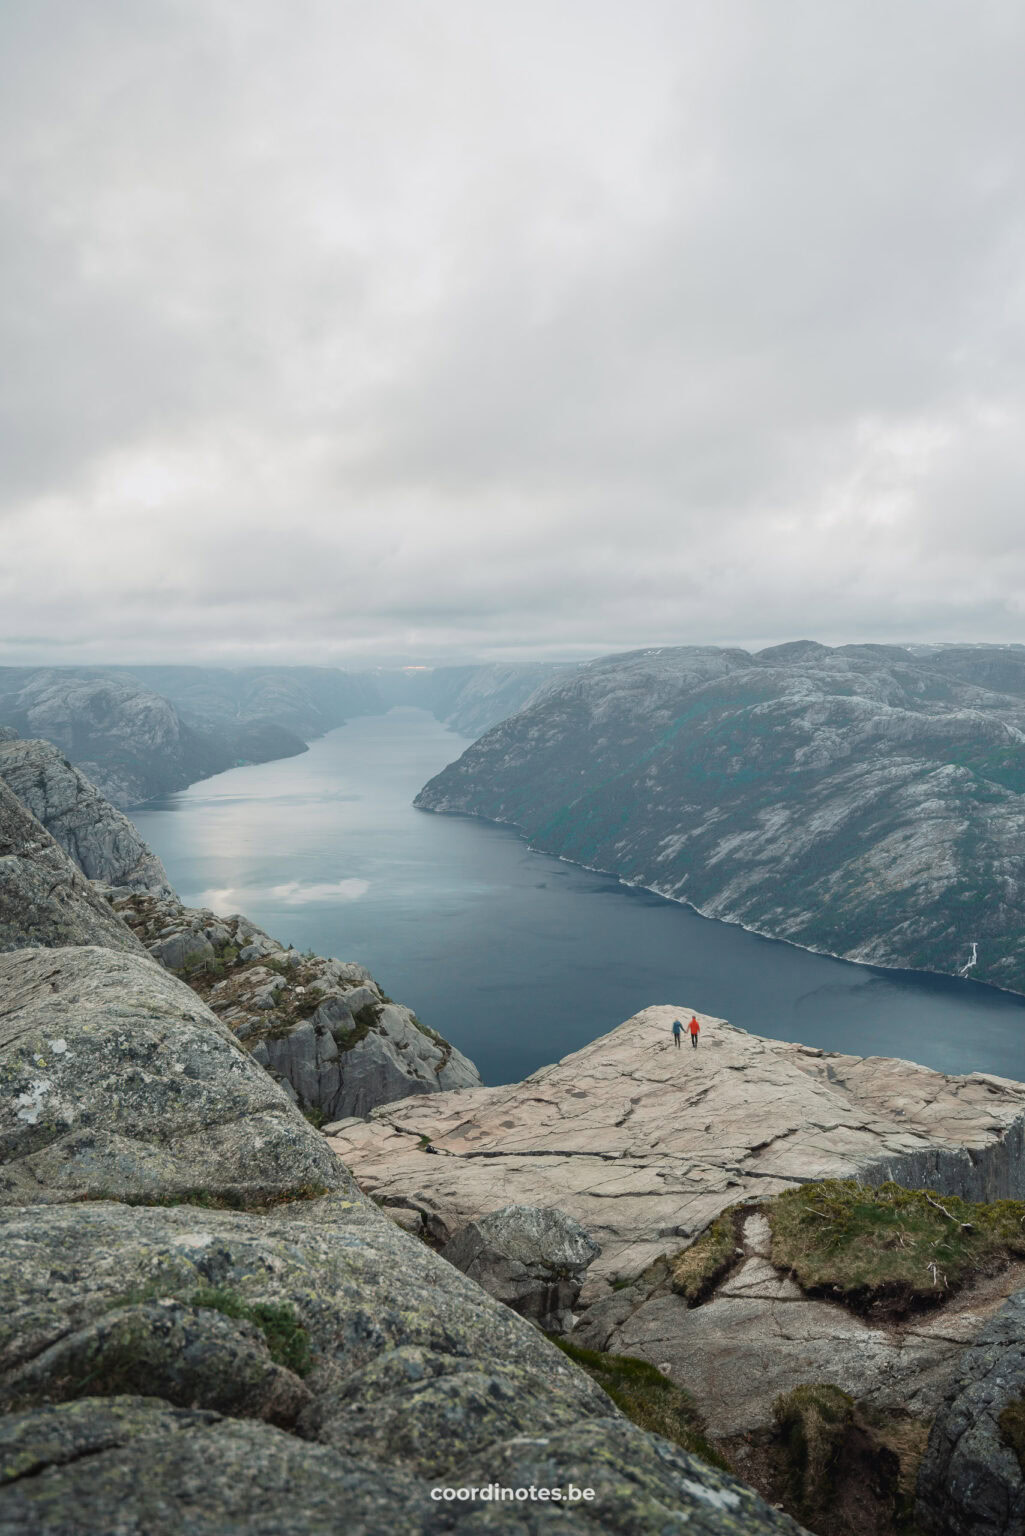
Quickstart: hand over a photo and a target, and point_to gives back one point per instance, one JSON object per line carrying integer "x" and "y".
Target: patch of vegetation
{"x": 889, "y": 1248}
{"x": 308, "y": 1003}
{"x": 698, "y": 1268}
{"x": 315, "y": 1115}
{"x": 211, "y": 1200}
{"x": 813, "y": 1422}
{"x": 287, "y": 1339}
{"x": 647, "y": 1397}
{"x": 1012, "y": 1429}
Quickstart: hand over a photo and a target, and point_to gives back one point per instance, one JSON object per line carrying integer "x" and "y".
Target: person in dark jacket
{"x": 695, "y": 1030}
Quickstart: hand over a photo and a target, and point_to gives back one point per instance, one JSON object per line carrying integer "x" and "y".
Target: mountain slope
{"x": 862, "y": 800}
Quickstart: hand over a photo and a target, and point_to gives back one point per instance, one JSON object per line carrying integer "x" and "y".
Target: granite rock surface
{"x": 44, "y": 899}
{"x": 971, "y": 1481}
{"x": 644, "y": 1145}
{"x": 99, "y": 839}
{"x": 115, "y": 1080}
{"x": 534, "y": 1260}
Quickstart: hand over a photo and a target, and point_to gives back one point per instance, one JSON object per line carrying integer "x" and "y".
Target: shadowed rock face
{"x": 99, "y": 839}
{"x": 418, "y": 1380}
{"x": 44, "y": 899}
{"x": 970, "y": 1482}
{"x": 115, "y": 1080}
{"x": 534, "y": 1260}
{"x": 863, "y": 801}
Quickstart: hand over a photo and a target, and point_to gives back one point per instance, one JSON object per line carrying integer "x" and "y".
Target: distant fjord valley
{"x": 863, "y": 801}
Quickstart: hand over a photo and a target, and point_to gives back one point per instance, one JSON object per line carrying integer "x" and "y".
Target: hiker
{"x": 695, "y": 1030}
{"x": 677, "y": 1032}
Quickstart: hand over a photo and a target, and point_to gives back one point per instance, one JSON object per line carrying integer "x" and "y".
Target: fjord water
{"x": 514, "y": 956}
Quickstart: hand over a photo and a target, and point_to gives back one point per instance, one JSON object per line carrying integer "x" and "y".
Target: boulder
{"x": 99, "y": 839}
{"x": 532, "y": 1259}
{"x": 116, "y": 1081}
{"x": 416, "y": 1381}
{"x": 970, "y": 1482}
{"x": 44, "y": 899}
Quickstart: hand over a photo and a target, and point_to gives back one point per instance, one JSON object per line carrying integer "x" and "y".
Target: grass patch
{"x": 287, "y": 1339}
{"x": 647, "y": 1397}
{"x": 889, "y": 1248}
{"x": 315, "y": 1115}
{"x": 1012, "y": 1429}
{"x": 697, "y": 1269}
{"x": 813, "y": 1422}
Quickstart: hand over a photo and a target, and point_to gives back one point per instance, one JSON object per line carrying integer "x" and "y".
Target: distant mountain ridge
{"x": 137, "y": 732}
{"x": 865, "y": 801}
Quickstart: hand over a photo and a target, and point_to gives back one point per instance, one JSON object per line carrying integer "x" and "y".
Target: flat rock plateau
{"x": 645, "y": 1143}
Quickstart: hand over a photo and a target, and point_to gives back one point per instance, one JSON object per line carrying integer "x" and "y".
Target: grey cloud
{"x": 488, "y": 330}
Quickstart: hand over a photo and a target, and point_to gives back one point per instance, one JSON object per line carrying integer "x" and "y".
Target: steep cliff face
{"x": 102, "y": 842}
{"x": 45, "y": 900}
{"x": 863, "y": 801}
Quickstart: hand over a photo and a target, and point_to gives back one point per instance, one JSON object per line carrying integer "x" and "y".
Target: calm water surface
{"x": 515, "y": 956}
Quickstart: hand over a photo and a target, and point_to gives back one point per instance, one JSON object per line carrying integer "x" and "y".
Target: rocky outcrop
{"x": 44, "y": 899}
{"x": 644, "y": 1145}
{"x": 118, "y": 1082}
{"x": 204, "y": 1370}
{"x": 415, "y": 1380}
{"x": 102, "y": 842}
{"x": 534, "y": 1260}
{"x": 321, "y": 1027}
{"x": 971, "y": 1481}
{"x": 862, "y": 801}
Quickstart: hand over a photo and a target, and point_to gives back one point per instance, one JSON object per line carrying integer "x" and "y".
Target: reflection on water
{"x": 496, "y": 946}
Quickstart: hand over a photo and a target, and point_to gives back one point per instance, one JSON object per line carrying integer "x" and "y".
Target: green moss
{"x": 287, "y": 1339}
{"x": 315, "y": 1115}
{"x": 888, "y": 1247}
{"x": 1012, "y": 1428}
{"x": 697, "y": 1269}
{"x": 647, "y": 1397}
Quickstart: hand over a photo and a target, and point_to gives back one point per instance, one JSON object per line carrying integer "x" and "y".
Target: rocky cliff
{"x": 645, "y": 1144}
{"x": 102, "y": 842}
{"x": 207, "y": 1328}
{"x": 863, "y": 801}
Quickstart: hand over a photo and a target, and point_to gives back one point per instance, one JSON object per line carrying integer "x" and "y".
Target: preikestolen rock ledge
{"x": 644, "y": 1144}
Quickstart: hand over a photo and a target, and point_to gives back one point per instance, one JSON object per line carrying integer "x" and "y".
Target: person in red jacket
{"x": 695, "y": 1030}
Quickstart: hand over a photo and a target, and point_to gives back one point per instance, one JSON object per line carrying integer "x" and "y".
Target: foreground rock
{"x": 534, "y": 1260}
{"x": 44, "y": 899}
{"x": 644, "y": 1145}
{"x": 414, "y": 1380}
{"x": 321, "y": 1027}
{"x": 101, "y": 841}
{"x": 971, "y": 1482}
{"x": 116, "y": 1081}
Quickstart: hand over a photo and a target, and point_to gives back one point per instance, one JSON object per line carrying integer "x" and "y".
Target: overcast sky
{"x": 451, "y": 329}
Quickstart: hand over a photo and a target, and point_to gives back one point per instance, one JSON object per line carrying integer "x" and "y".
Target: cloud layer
{"x": 344, "y": 333}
